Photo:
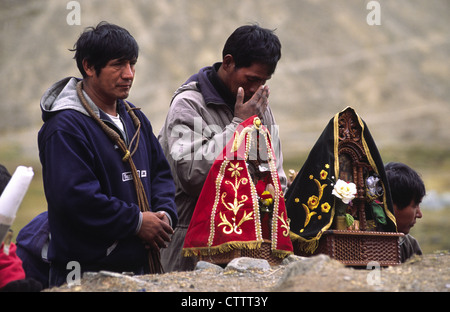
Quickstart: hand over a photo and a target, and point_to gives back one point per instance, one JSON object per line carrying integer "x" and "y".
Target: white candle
{"x": 12, "y": 196}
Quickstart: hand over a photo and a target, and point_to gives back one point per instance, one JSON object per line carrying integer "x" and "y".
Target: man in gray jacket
{"x": 205, "y": 112}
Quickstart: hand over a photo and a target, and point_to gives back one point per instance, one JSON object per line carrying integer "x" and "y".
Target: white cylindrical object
{"x": 12, "y": 196}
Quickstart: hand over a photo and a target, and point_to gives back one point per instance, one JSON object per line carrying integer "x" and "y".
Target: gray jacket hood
{"x": 63, "y": 95}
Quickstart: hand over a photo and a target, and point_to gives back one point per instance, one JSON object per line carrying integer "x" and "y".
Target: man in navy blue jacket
{"x": 93, "y": 207}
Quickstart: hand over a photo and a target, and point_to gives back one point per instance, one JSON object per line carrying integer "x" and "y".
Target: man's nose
{"x": 418, "y": 213}
{"x": 128, "y": 71}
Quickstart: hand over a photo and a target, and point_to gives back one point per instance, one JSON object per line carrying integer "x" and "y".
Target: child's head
{"x": 407, "y": 190}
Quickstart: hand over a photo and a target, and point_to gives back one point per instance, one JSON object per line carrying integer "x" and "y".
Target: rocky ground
{"x": 428, "y": 273}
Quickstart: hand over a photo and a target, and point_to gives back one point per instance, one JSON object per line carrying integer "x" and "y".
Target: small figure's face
{"x": 406, "y": 217}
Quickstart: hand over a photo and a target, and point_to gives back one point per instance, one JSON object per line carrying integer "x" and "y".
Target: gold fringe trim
{"x": 230, "y": 246}
{"x": 310, "y": 245}
{"x": 281, "y": 253}
{"x": 305, "y": 245}
{"x": 223, "y": 248}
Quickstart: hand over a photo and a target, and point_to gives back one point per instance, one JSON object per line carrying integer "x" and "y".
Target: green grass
{"x": 432, "y": 231}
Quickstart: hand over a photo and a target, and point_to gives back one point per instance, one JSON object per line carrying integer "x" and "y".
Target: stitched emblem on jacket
{"x": 127, "y": 176}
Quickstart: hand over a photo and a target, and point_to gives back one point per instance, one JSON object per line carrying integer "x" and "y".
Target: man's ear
{"x": 89, "y": 69}
{"x": 395, "y": 207}
{"x": 228, "y": 63}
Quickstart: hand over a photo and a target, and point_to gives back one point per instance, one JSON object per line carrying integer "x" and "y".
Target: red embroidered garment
{"x": 10, "y": 266}
{"x": 241, "y": 203}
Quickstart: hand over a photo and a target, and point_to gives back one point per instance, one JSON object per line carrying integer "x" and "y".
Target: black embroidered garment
{"x": 344, "y": 151}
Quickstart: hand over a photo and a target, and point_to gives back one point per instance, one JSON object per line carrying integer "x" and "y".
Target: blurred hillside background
{"x": 396, "y": 75}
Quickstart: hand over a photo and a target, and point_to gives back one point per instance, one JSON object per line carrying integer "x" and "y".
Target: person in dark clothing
{"x": 12, "y": 273}
{"x": 408, "y": 190}
{"x": 108, "y": 185}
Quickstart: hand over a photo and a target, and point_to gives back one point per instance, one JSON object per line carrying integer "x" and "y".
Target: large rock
{"x": 245, "y": 264}
{"x": 310, "y": 265}
{"x": 203, "y": 265}
{"x": 320, "y": 269}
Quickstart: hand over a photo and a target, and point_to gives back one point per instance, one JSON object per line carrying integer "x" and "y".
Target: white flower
{"x": 345, "y": 191}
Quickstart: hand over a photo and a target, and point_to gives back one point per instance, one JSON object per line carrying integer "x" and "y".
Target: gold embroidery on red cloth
{"x": 236, "y": 202}
{"x": 285, "y": 224}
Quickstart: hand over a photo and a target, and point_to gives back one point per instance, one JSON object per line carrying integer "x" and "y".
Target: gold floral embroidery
{"x": 308, "y": 214}
{"x": 314, "y": 200}
{"x": 233, "y": 227}
{"x": 236, "y": 203}
{"x": 285, "y": 224}
{"x": 325, "y": 207}
{"x": 235, "y": 170}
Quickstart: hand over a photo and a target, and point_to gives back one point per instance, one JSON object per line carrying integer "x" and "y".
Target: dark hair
{"x": 406, "y": 185}
{"x": 250, "y": 43}
{"x": 98, "y": 45}
{"x": 5, "y": 176}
